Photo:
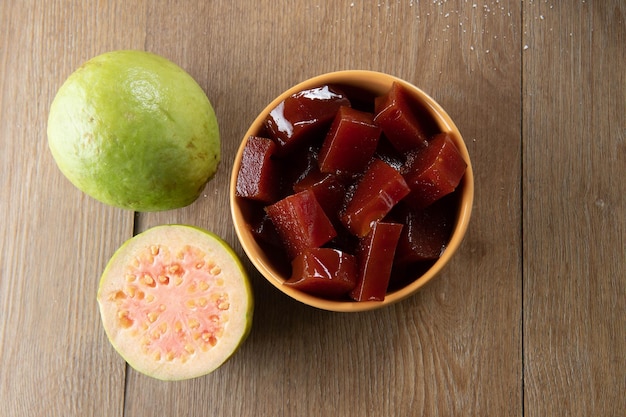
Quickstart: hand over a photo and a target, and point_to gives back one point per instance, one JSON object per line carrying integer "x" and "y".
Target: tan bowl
{"x": 377, "y": 83}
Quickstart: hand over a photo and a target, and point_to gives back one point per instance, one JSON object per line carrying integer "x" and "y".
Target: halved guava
{"x": 134, "y": 130}
{"x": 175, "y": 302}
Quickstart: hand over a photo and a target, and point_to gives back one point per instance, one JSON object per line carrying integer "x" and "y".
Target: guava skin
{"x": 135, "y": 131}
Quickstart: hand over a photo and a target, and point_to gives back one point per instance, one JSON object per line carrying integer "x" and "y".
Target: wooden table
{"x": 529, "y": 319}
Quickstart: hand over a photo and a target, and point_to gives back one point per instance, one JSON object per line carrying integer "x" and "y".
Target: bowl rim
{"x": 376, "y": 81}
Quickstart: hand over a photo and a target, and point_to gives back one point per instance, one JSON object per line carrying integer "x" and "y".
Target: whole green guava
{"x": 134, "y": 130}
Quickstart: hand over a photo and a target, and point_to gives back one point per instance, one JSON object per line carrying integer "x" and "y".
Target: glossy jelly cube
{"x": 398, "y": 120}
{"x": 434, "y": 171}
{"x": 258, "y": 177}
{"x": 301, "y": 223}
{"x": 350, "y": 142}
{"x": 323, "y": 272}
{"x": 380, "y": 189}
{"x": 375, "y": 258}
{"x": 297, "y": 118}
{"x": 328, "y": 189}
{"x": 426, "y": 231}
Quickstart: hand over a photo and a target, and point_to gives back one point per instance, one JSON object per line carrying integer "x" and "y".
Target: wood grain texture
{"x": 575, "y": 209}
{"x": 527, "y": 320}
{"x": 55, "y": 358}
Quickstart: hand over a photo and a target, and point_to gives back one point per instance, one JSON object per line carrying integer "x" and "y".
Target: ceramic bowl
{"x": 374, "y": 83}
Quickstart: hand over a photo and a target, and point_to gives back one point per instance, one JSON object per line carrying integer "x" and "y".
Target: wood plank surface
{"x": 527, "y": 320}
{"x": 574, "y": 208}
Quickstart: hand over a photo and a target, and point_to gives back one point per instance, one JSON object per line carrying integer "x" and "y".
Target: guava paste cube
{"x": 300, "y": 222}
{"x": 375, "y": 258}
{"x": 328, "y": 190}
{"x": 426, "y": 232}
{"x": 434, "y": 171}
{"x": 258, "y": 176}
{"x": 294, "y": 120}
{"x": 324, "y": 272}
{"x": 395, "y": 115}
{"x": 350, "y": 142}
{"x": 380, "y": 189}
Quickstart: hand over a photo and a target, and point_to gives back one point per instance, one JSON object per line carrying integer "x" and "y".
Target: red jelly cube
{"x": 434, "y": 171}
{"x": 397, "y": 118}
{"x": 300, "y": 222}
{"x": 426, "y": 232}
{"x": 350, "y": 142}
{"x": 375, "y": 258}
{"x": 258, "y": 176}
{"x": 323, "y": 272}
{"x": 381, "y": 188}
{"x": 296, "y": 118}
{"x": 328, "y": 190}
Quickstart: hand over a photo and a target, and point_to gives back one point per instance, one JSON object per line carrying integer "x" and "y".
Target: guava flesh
{"x": 175, "y": 302}
{"x": 134, "y": 130}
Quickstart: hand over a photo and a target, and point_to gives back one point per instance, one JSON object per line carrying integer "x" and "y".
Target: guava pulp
{"x": 134, "y": 130}
{"x": 175, "y": 302}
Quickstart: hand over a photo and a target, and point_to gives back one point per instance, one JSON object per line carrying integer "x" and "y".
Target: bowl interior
{"x": 377, "y": 84}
